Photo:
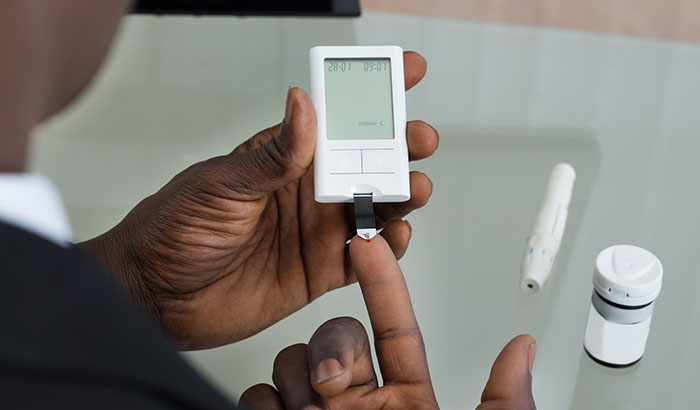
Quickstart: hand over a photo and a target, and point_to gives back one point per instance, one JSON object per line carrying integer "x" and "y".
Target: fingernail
{"x": 289, "y": 107}
{"x": 532, "y": 350}
{"x": 327, "y": 369}
{"x": 410, "y": 229}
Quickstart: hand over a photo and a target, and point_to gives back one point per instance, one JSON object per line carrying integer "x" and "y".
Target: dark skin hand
{"x": 234, "y": 244}
{"x": 335, "y": 370}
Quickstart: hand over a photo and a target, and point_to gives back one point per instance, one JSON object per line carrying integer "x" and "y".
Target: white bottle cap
{"x": 628, "y": 275}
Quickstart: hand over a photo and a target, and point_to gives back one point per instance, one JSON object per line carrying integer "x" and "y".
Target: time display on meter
{"x": 334, "y": 65}
{"x": 358, "y": 99}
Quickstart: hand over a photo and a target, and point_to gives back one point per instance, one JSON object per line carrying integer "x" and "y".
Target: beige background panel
{"x": 667, "y": 19}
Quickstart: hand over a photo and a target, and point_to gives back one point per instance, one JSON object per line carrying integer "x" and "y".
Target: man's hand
{"x": 235, "y": 243}
{"x": 335, "y": 370}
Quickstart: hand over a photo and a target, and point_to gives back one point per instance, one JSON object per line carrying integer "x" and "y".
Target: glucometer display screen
{"x": 358, "y": 99}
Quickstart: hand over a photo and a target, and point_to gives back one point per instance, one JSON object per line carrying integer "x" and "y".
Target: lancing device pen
{"x": 546, "y": 234}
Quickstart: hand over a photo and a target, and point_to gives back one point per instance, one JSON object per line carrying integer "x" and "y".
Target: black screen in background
{"x": 250, "y": 7}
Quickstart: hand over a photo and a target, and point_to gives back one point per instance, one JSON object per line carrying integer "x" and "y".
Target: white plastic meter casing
{"x": 368, "y": 158}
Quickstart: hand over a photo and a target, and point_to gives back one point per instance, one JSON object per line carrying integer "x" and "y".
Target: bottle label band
{"x": 626, "y": 315}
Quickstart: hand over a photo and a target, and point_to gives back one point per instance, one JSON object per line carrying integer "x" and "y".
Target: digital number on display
{"x": 367, "y": 66}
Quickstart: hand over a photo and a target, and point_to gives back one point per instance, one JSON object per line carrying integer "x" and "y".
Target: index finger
{"x": 397, "y": 338}
{"x": 414, "y": 68}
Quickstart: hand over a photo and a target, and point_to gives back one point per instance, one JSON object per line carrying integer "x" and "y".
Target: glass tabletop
{"x": 509, "y": 103}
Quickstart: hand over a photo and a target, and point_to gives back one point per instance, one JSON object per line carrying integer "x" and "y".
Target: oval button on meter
{"x": 378, "y": 161}
{"x": 345, "y": 162}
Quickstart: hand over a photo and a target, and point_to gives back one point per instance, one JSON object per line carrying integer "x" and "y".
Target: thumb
{"x": 281, "y": 159}
{"x": 510, "y": 382}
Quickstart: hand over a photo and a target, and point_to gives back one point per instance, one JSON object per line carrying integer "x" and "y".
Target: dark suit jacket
{"x": 71, "y": 339}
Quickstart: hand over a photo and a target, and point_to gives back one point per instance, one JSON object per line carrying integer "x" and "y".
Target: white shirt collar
{"x": 31, "y": 202}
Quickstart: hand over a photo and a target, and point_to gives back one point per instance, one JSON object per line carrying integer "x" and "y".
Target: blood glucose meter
{"x": 361, "y": 153}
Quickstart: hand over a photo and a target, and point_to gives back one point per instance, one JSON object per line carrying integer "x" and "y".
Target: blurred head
{"x": 49, "y": 51}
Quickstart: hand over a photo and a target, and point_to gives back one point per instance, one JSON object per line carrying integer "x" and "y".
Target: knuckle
{"x": 290, "y": 352}
{"x": 257, "y": 140}
{"x": 220, "y": 177}
{"x": 258, "y": 390}
{"x": 340, "y": 332}
{"x": 398, "y": 333}
{"x": 244, "y": 169}
{"x": 289, "y": 363}
{"x": 339, "y": 338}
{"x": 343, "y": 323}
{"x": 256, "y": 395}
{"x": 276, "y": 157}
